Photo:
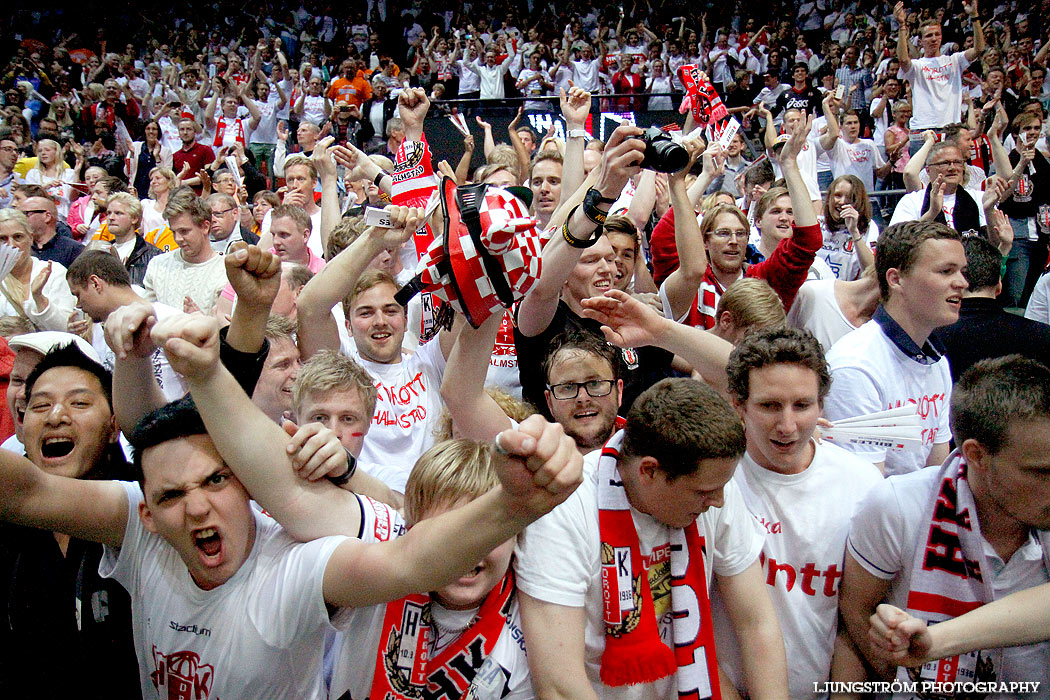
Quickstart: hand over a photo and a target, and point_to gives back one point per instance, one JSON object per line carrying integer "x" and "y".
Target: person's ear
{"x": 146, "y": 516}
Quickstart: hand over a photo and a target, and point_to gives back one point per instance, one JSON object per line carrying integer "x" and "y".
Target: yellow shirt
{"x": 163, "y": 238}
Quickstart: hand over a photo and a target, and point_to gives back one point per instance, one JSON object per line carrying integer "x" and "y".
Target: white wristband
{"x": 578, "y": 134}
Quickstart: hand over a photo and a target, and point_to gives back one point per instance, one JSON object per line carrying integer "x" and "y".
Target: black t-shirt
{"x": 808, "y": 100}
{"x": 640, "y": 368}
{"x": 1032, "y": 190}
{"x": 66, "y": 631}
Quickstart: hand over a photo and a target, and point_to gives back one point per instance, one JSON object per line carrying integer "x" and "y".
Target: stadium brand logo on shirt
{"x": 192, "y": 629}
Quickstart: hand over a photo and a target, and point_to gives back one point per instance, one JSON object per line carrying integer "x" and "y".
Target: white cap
{"x": 46, "y": 341}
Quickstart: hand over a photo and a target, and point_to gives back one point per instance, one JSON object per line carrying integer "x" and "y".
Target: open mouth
{"x": 56, "y": 448}
{"x": 783, "y": 444}
{"x": 602, "y": 285}
{"x": 585, "y": 415}
{"x": 380, "y": 337}
{"x": 954, "y": 301}
{"x": 208, "y": 541}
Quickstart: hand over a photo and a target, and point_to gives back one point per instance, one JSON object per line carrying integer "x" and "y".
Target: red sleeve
{"x": 787, "y": 268}
{"x": 663, "y": 249}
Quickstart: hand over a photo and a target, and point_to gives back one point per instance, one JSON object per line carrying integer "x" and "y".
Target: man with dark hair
{"x": 224, "y": 597}
{"x": 943, "y": 541}
{"x": 889, "y": 361}
{"x": 101, "y": 285}
{"x": 801, "y": 95}
{"x": 984, "y": 329}
{"x": 55, "y": 605}
{"x": 801, "y": 491}
{"x": 649, "y": 529}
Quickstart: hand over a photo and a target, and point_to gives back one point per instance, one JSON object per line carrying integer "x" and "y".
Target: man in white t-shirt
{"x": 936, "y": 80}
{"x": 490, "y": 73}
{"x": 228, "y": 129}
{"x": 585, "y": 69}
{"x": 801, "y": 491}
{"x": 941, "y": 542}
{"x": 223, "y": 598}
{"x": 101, "y": 285}
{"x": 852, "y": 155}
{"x": 807, "y": 158}
{"x": 889, "y": 361}
{"x": 409, "y": 402}
{"x": 673, "y": 463}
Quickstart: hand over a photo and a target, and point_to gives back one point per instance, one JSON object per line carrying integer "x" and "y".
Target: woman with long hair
{"x": 53, "y": 174}
{"x": 144, "y": 156}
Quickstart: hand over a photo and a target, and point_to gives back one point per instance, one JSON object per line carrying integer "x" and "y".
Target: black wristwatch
{"x": 351, "y": 469}
{"x": 591, "y": 200}
{"x": 579, "y": 242}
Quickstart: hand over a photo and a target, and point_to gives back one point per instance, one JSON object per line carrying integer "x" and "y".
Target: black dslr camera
{"x": 662, "y": 154}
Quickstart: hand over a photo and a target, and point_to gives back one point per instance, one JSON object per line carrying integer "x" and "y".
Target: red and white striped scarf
{"x": 634, "y": 652}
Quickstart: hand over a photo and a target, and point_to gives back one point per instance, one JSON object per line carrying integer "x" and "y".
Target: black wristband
{"x": 379, "y": 178}
{"x": 351, "y": 469}
{"x": 577, "y": 242}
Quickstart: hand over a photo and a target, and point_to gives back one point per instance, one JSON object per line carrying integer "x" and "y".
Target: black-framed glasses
{"x": 27, "y": 212}
{"x": 595, "y": 388}
{"x": 957, "y": 163}
{"x": 224, "y": 212}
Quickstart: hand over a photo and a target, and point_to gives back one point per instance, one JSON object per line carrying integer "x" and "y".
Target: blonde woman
{"x": 34, "y": 290}
{"x": 154, "y": 227}
{"x": 53, "y": 174}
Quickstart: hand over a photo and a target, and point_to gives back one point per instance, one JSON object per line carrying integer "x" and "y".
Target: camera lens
{"x": 662, "y": 154}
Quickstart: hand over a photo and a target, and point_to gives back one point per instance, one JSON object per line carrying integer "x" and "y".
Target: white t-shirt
{"x": 503, "y": 363}
{"x": 585, "y": 74}
{"x": 891, "y": 523}
{"x": 936, "y": 88}
{"x": 816, "y": 310}
{"x": 558, "y": 561}
{"x": 807, "y": 166}
{"x": 806, "y": 518}
{"x": 408, "y": 407}
{"x": 838, "y": 250}
{"x": 909, "y": 208}
{"x": 313, "y": 109}
{"x": 869, "y": 373}
{"x": 266, "y": 132}
{"x": 1039, "y": 303}
{"x": 859, "y": 158}
{"x": 260, "y": 634}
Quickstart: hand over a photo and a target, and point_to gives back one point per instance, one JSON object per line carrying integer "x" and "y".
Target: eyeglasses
{"x": 27, "y": 212}
{"x": 570, "y": 390}
{"x": 9, "y": 149}
{"x": 224, "y": 212}
{"x": 724, "y": 234}
{"x": 943, "y": 163}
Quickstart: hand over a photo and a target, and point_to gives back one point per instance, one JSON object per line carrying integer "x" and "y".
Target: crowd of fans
{"x": 296, "y": 410}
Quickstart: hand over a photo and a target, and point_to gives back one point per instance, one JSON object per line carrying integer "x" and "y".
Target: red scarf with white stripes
{"x": 702, "y": 312}
{"x": 634, "y": 652}
{"x": 220, "y": 132}
{"x": 404, "y": 669}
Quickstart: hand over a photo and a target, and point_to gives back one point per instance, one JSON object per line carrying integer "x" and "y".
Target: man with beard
{"x": 193, "y": 156}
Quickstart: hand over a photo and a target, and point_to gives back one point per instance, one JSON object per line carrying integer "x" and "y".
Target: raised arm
{"x": 476, "y": 414}
{"x": 249, "y": 104}
{"x": 801, "y": 204}
{"x": 539, "y": 468}
{"x": 325, "y": 165}
{"x": 682, "y": 284}
{"x": 628, "y": 323}
{"x": 575, "y": 106}
{"x": 903, "y": 45}
{"x": 306, "y": 509}
{"x": 213, "y": 101}
{"x": 829, "y": 137}
{"x": 317, "y": 330}
{"x": 978, "y": 32}
{"x": 96, "y": 511}
{"x": 620, "y": 160}
{"x": 917, "y": 162}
